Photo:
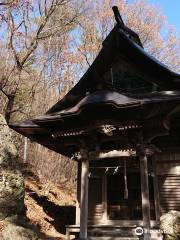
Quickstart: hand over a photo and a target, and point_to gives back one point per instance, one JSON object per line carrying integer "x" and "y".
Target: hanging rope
{"x": 125, "y": 181}
{"x": 115, "y": 170}
{"x": 112, "y": 77}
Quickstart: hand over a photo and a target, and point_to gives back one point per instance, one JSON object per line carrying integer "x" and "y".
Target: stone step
{"x": 113, "y": 238}
{"x": 121, "y": 233}
{"x": 158, "y": 238}
{"x": 119, "y": 238}
{"x": 111, "y": 235}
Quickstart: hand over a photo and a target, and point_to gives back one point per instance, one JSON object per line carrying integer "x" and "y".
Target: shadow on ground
{"x": 61, "y": 215}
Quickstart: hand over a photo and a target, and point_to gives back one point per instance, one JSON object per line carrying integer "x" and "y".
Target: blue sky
{"x": 171, "y": 8}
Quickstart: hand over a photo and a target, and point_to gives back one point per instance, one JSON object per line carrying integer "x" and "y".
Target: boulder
{"x": 11, "y": 178}
{"x": 16, "y": 232}
{"x": 12, "y": 208}
{"x": 170, "y": 225}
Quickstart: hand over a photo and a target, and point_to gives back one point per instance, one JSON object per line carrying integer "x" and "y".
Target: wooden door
{"x": 121, "y": 208}
{"x": 95, "y": 206}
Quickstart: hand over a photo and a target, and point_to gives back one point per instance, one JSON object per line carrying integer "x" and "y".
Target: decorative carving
{"x": 107, "y": 129}
{"x": 95, "y": 155}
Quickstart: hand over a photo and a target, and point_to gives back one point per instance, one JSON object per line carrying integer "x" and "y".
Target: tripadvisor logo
{"x": 139, "y": 231}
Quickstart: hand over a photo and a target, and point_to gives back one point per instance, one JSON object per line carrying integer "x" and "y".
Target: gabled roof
{"x": 122, "y": 45}
{"x": 86, "y": 102}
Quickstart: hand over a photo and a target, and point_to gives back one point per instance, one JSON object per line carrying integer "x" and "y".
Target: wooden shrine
{"x": 121, "y": 124}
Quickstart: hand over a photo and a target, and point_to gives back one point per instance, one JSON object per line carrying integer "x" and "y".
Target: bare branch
{"x": 6, "y": 3}
{"x": 45, "y": 7}
{"x": 11, "y": 45}
{"x": 39, "y": 7}
{"x": 34, "y": 42}
{"x": 2, "y": 90}
{"x": 18, "y": 64}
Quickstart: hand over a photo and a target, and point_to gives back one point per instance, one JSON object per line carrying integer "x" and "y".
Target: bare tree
{"x": 35, "y": 24}
{"x": 158, "y": 38}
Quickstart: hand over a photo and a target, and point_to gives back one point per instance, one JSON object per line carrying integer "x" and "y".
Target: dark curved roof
{"x": 104, "y": 107}
{"x": 153, "y": 104}
{"x": 120, "y": 46}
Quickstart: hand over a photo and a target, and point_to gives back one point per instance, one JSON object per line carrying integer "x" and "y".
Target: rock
{"x": 15, "y": 232}
{"x": 4, "y": 130}
{"x": 11, "y": 193}
{"x": 12, "y": 208}
{"x": 11, "y": 178}
{"x": 170, "y": 225}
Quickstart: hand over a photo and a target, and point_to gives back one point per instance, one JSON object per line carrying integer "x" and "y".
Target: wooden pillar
{"x": 104, "y": 198}
{"x": 145, "y": 196}
{"x": 25, "y": 149}
{"x": 78, "y": 193}
{"x": 156, "y": 191}
{"x": 84, "y": 200}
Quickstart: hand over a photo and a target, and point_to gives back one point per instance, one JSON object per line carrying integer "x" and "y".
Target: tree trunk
{"x": 9, "y": 107}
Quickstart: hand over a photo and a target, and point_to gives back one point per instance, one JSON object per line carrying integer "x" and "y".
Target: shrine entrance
{"x": 127, "y": 205}
{"x": 115, "y": 194}
{"x": 119, "y": 206}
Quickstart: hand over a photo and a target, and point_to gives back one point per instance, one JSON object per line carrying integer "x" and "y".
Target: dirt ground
{"x": 50, "y": 208}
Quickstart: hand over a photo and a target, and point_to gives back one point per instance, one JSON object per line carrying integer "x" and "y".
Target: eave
{"x": 63, "y": 131}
